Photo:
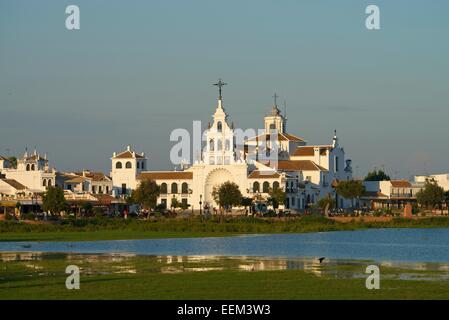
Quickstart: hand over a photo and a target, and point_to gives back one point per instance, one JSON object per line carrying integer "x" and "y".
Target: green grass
{"x": 19, "y": 280}
{"x": 115, "y": 229}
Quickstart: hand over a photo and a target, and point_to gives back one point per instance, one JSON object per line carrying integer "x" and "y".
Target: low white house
{"x": 441, "y": 179}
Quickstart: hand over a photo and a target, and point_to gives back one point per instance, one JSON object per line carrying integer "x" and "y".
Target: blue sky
{"x": 139, "y": 69}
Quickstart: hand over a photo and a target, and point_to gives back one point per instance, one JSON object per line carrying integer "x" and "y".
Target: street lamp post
{"x": 201, "y": 205}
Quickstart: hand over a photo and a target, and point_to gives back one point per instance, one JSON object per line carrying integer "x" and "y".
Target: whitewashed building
{"x": 32, "y": 171}
{"x": 441, "y": 179}
{"x": 306, "y": 173}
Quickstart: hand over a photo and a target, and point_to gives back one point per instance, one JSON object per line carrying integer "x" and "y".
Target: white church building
{"x": 33, "y": 172}
{"x": 273, "y": 159}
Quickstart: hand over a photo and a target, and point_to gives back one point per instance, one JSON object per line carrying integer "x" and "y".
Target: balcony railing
{"x": 402, "y": 195}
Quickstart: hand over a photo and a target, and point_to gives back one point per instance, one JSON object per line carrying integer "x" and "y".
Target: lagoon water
{"x": 409, "y": 245}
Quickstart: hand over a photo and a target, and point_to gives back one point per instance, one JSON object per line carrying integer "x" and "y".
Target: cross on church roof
{"x": 220, "y": 84}
{"x": 275, "y": 99}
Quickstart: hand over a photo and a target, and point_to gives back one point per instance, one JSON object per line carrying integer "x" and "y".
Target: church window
{"x": 33, "y": 167}
{"x": 49, "y": 182}
{"x": 164, "y": 188}
{"x": 211, "y": 160}
{"x": 275, "y": 185}
{"x": 118, "y": 165}
{"x": 138, "y": 165}
{"x": 219, "y": 126}
{"x": 28, "y": 167}
{"x": 185, "y": 188}
{"x": 272, "y": 126}
{"x": 266, "y": 187}
{"x": 128, "y": 165}
{"x": 211, "y": 145}
{"x": 227, "y": 145}
{"x": 256, "y": 187}
{"x": 219, "y": 145}
{"x": 44, "y": 183}
{"x": 174, "y": 187}
{"x": 184, "y": 202}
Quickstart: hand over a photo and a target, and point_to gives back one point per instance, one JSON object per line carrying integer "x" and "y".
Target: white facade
{"x": 33, "y": 172}
{"x": 306, "y": 173}
{"x": 126, "y": 166}
{"x": 441, "y": 179}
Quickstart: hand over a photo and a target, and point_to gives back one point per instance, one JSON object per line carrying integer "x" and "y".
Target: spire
{"x": 220, "y": 84}
{"x": 275, "y": 110}
{"x": 285, "y": 116}
{"x": 275, "y": 99}
{"x": 335, "y": 139}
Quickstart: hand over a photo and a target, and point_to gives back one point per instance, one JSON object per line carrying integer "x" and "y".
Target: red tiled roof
{"x": 127, "y": 155}
{"x": 104, "y": 199}
{"x": 401, "y": 183}
{"x": 166, "y": 175}
{"x": 13, "y": 183}
{"x": 298, "y": 165}
{"x": 280, "y": 137}
{"x": 304, "y": 151}
{"x": 95, "y": 176}
{"x": 256, "y": 174}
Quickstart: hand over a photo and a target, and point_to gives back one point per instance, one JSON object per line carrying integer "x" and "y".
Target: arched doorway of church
{"x": 214, "y": 179}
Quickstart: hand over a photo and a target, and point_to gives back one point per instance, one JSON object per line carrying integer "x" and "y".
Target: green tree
{"x": 146, "y": 194}
{"x": 87, "y": 207}
{"x": 184, "y": 206}
{"x": 246, "y": 202}
{"x": 12, "y": 162}
{"x": 53, "y": 200}
{"x": 327, "y": 202}
{"x": 227, "y": 195}
{"x": 350, "y": 189}
{"x": 277, "y": 196}
{"x": 175, "y": 204}
{"x": 377, "y": 175}
{"x": 431, "y": 195}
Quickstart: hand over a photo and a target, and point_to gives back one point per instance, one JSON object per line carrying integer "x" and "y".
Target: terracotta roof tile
{"x": 15, "y": 184}
{"x": 400, "y": 183}
{"x": 256, "y": 174}
{"x": 166, "y": 175}
{"x": 128, "y": 154}
{"x": 304, "y": 151}
{"x": 298, "y": 165}
{"x": 280, "y": 137}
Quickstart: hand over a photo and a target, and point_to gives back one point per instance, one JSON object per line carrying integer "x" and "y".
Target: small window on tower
{"x": 219, "y": 126}
{"x": 272, "y": 126}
